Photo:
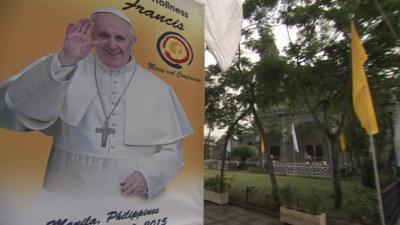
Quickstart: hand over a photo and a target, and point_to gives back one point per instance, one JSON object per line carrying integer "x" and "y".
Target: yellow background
{"x": 31, "y": 29}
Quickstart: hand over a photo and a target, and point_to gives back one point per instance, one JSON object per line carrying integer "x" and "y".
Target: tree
{"x": 213, "y": 95}
{"x": 322, "y": 69}
{"x": 243, "y": 152}
{"x": 315, "y": 71}
{"x": 239, "y": 99}
{"x": 263, "y": 88}
{"x": 223, "y": 107}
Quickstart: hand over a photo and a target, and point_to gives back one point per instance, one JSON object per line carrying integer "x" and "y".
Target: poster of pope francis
{"x": 101, "y": 112}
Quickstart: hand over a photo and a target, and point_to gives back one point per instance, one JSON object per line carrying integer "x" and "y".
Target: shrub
{"x": 270, "y": 203}
{"x": 361, "y": 206}
{"x": 289, "y": 196}
{"x": 243, "y": 152}
{"x": 214, "y": 184}
{"x": 312, "y": 201}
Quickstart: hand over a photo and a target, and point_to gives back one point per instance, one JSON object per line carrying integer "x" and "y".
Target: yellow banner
{"x": 342, "y": 141}
{"x": 362, "y": 100}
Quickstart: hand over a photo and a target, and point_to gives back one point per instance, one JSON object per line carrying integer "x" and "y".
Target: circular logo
{"x": 174, "y": 50}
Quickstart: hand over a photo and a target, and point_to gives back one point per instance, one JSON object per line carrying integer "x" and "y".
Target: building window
{"x": 319, "y": 153}
{"x": 316, "y": 152}
{"x": 310, "y": 150}
{"x": 275, "y": 152}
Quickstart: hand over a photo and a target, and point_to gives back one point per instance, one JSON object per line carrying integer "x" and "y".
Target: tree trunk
{"x": 227, "y": 137}
{"x": 334, "y": 164}
{"x": 270, "y": 168}
{"x": 261, "y": 154}
{"x": 352, "y": 163}
{"x": 391, "y": 160}
{"x": 207, "y": 145}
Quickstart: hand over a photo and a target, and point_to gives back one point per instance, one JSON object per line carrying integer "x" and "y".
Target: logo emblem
{"x": 174, "y": 49}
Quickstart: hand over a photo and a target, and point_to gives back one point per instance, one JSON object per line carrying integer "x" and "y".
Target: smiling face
{"x": 115, "y": 37}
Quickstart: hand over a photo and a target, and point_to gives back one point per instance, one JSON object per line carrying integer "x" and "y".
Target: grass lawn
{"x": 351, "y": 189}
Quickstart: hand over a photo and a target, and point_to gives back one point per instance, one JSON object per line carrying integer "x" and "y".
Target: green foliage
{"x": 255, "y": 9}
{"x": 214, "y": 184}
{"x": 323, "y": 45}
{"x": 270, "y": 203}
{"x": 312, "y": 201}
{"x": 314, "y": 72}
{"x": 223, "y": 102}
{"x": 309, "y": 200}
{"x": 243, "y": 152}
{"x": 289, "y": 196}
{"x": 271, "y": 85}
{"x": 361, "y": 207}
{"x": 304, "y": 197}
{"x": 306, "y": 200}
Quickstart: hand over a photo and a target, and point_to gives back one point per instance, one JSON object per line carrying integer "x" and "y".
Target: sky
{"x": 281, "y": 40}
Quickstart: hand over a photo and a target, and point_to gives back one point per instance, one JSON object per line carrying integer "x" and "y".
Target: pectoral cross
{"x": 105, "y": 131}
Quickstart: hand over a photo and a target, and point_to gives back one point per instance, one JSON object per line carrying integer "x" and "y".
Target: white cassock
{"x": 149, "y": 122}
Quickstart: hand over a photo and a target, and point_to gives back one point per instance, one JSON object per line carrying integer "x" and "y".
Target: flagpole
{"x": 377, "y": 183}
{"x": 363, "y": 106}
{"x": 295, "y": 144}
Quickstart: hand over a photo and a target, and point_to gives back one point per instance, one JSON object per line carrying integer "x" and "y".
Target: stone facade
{"x": 278, "y": 125}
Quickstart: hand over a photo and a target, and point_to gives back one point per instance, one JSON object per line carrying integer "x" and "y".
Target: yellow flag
{"x": 362, "y": 101}
{"x": 342, "y": 141}
{"x": 262, "y": 145}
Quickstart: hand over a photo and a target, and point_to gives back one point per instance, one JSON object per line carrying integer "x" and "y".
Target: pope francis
{"x": 116, "y": 128}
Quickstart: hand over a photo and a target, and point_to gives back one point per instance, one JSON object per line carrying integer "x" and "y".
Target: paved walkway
{"x": 233, "y": 215}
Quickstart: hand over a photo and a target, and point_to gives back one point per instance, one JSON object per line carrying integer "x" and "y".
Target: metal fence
{"x": 307, "y": 170}
{"x": 391, "y": 202}
{"x": 290, "y": 169}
